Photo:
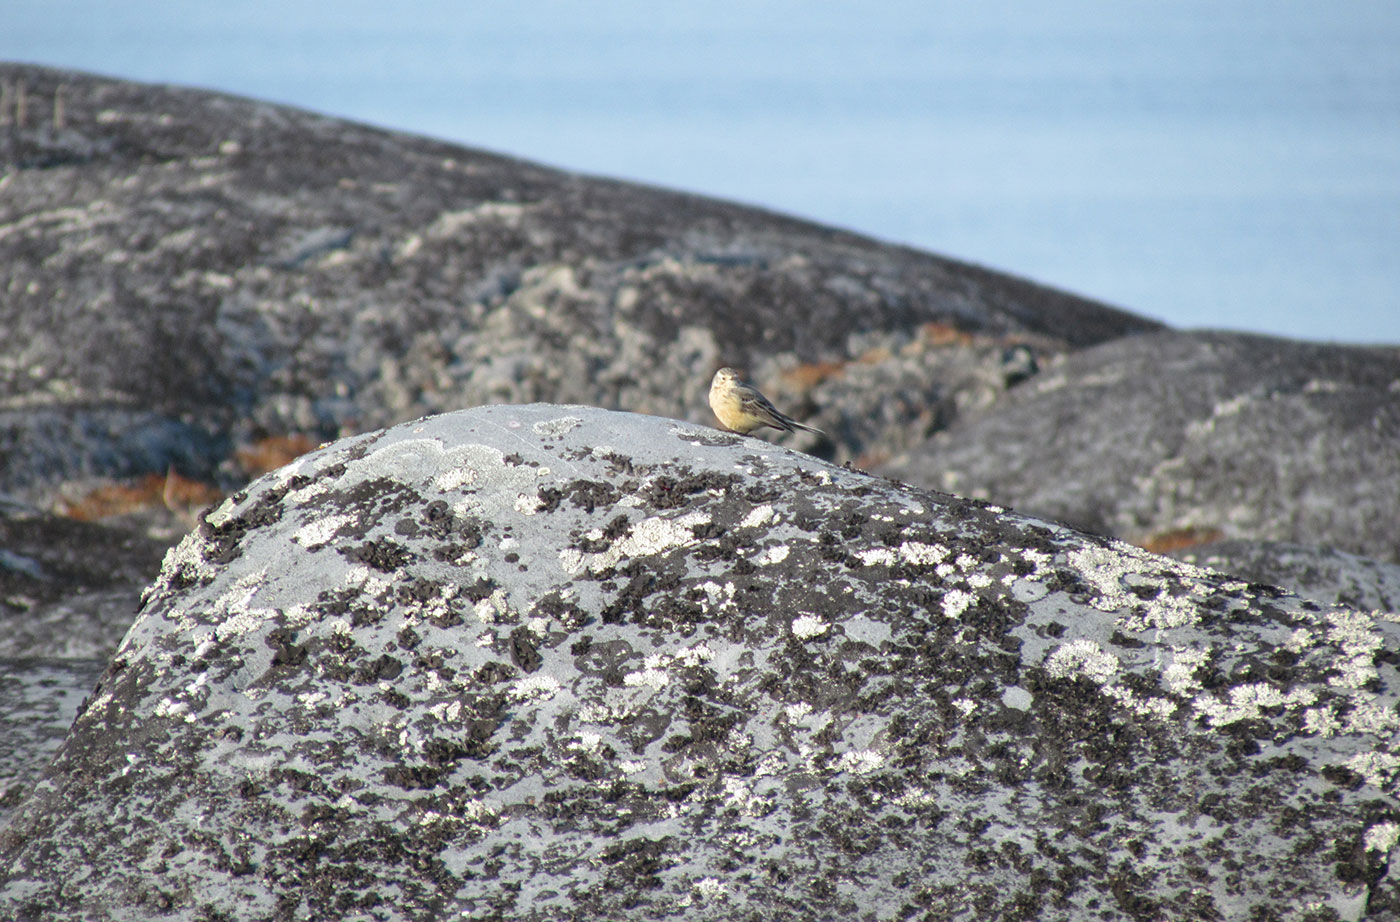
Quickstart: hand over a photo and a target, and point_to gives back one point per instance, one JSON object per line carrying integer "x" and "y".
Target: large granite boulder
{"x": 545, "y": 662}
{"x": 1173, "y": 439}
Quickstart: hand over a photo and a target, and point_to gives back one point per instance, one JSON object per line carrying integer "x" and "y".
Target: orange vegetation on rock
{"x": 177, "y": 493}
{"x": 941, "y": 334}
{"x": 806, "y": 377}
{"x": 272, "y": 452}
{"x": 1178, "y": 538}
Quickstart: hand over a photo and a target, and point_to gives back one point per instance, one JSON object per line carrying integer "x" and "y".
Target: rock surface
{"x": 70, "y": 589}
{"x": 38, "y": 700}
{"x": 552, "y": 662}
{"x": 196, "y": 281}
{"x": 1173, "y": 439}
{"x": 1320, "y": 573}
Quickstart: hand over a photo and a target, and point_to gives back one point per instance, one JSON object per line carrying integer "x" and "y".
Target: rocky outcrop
{"x": 196, "y": 283}
{"x": 553, "y": 662}
{"x": 1174, "y": 439}
{"x": 69, "y": 589}
{"x": 1324, "y": 574}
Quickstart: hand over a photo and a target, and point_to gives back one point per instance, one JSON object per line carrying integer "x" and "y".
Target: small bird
{"x": 742, "y": 409}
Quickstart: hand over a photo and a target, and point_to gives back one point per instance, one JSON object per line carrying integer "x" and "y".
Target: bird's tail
{"x": 808, "y": 428}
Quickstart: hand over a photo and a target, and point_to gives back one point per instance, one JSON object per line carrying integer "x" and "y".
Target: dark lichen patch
{"x": 384, "y": 555}
{"x": 481, "y": 588}
{"x": 285, "y": 650}
{"x": 587, "y": 495}
{"x": 221, "y": 542}
{"x": 524, "y": 650}
{"x": 673, "y": 492}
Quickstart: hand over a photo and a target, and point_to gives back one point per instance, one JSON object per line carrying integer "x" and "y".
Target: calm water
{"x": 1231, "y": 165}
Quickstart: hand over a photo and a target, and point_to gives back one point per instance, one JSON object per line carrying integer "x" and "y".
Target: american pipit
{"x": 742, "y": 409}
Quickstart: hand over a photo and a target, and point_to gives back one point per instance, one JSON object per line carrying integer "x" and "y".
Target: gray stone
{"x": 1324, "y": 574}
{"x": 544, "y": 662}
{"x": 190, "y": 275}
{"x": 1174, "y": 439}
{"x": 38, "y": 700}
{"x": 70, "y": 589}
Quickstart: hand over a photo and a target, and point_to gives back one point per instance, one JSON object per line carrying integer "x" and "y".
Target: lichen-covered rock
{"x": 552, "y": 662}
{"x": 1171, "y": 439}
{"x": 1324, "y": 574}
{"x": 189, "y": 275}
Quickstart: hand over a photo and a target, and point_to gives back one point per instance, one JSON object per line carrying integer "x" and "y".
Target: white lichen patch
{"x": 1355, "y": 633}
{"x": 1321, "y": 721}
{"x": 758, "y": 517}
{"x": 1246, "y": 702}
{"x": 553, "y": 428}
{"x": 1200, "y": 428}
{"x": 876, "y": 557}
{"x": 168, "y": 707}
{"x": 916, "y": 798}
{"x": 1378, "y": 768}
{"x": 860, "y": 761}
{"x": 808, "y": 626}
{"x": 798, "y": 712}
{"x": 527, "y": 505}
{"x": 955, "y": 602}
{"x": 586, "y": 741}
{"x": 307, "y": 493}
{"x": 244, "y": 622}
{"x": 648, "y": 537}
{"x": 188, "y": 556}
{"x": 920, "y": 554}
{"x": 447, "y": 711}
{"x": 694, "y": 656}
{"x": 237, "y": 597}
{"x": 1153, "y": 708}
{"x": 534, "y": 686}
{"x": 493, "y": 608}
{"x": 1112, "y": 570}
{"x": 1180, "y": 674}
{"x": 647, "y": 678}
{"x": 1382, "y": 837}
{"x": 739, "y": 795}
{"x": 455, "y": 479}
{"x": 1040, "y": 560}
{"x": 315, "y": 534}
{"x": 600, "y": 714}
{"x": 775, "y": 554}
{"x": 1082, "y": 658}
{"x": 1372, "y": 717}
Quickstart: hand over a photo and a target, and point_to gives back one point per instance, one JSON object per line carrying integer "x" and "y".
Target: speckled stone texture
{"x": 544, "y": 662}
{"x": 1180, "y": 438}
{"x": 1327, "y": 575}
{"x": 188, "y": 275}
